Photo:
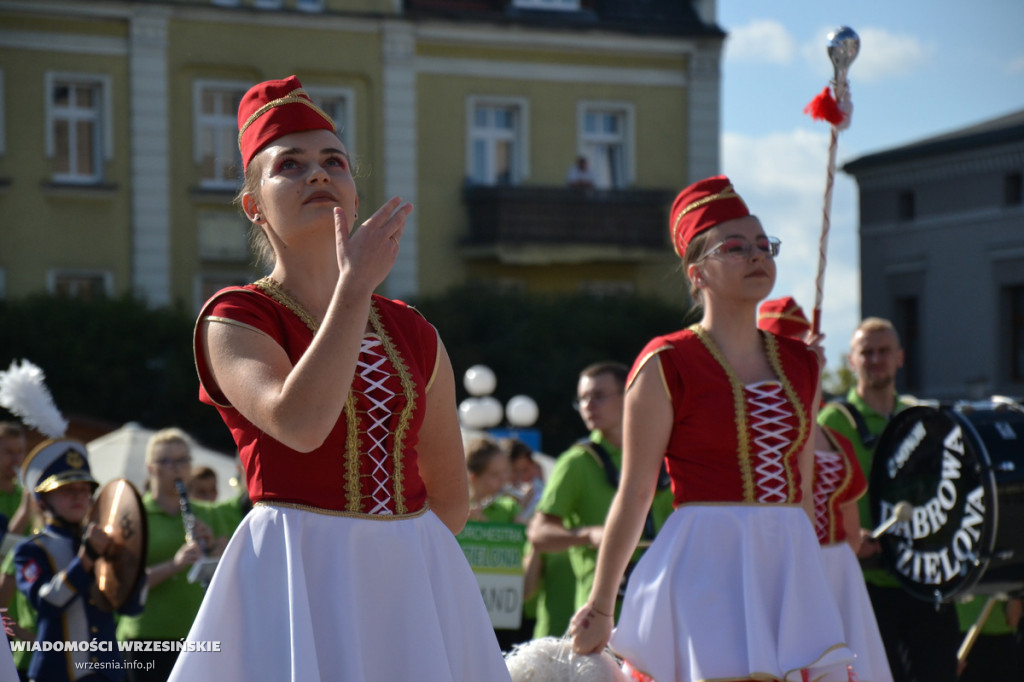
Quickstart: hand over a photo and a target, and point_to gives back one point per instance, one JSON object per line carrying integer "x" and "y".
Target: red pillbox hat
{"x": 783, "y": 316}
{"x": 272, "y": 109}
{"x": 700, "y": 207}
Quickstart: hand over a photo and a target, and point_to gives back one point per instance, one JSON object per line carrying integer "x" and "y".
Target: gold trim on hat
{"x": 64, "y": 478}
{"x": 792, "y": 317}
{"x": 726, "y": 193}
{"x": 297, "y": 96}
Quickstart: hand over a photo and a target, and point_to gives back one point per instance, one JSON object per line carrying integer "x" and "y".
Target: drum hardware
{"x": 901, "y": 512}
{"x": 972, "y": 633}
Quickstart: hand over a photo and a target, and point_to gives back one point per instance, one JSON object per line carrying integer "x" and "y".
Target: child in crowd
{"x": 55, "y": 569}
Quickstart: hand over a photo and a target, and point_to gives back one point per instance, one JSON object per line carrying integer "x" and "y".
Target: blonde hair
{"x": 876, "y": 324}
{"x": 163, "y": 436}
{"x": 258, "y": 240}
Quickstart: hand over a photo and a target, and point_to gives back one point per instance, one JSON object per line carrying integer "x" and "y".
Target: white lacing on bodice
{"x": 768, "y": 411}
{"x": 829, "y": 474}
{"x": 369, "y": 366}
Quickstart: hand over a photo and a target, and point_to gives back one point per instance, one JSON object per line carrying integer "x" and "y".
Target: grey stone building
{"x": 942, "y": 256}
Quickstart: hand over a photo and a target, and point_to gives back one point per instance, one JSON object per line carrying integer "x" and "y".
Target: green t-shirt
{"x": 835, "y": 418}
{"x": 556, "y": 595}
{"x": 579, "y": 493}
{"x": 172, "y": 605}
{"x": 10, "y": 501}
{"x": 20, "y": 611}
{"x": 969, "y": 610}
{"x": 503, "y": 509}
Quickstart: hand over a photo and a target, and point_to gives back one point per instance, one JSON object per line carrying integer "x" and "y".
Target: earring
{"x": 355, "y": 216}
{"x": 256, "y": 217}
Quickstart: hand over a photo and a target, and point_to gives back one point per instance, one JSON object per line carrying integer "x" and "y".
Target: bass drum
{"x": 961, "y": 468}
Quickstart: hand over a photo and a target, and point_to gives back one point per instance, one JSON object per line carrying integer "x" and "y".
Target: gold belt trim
{"x": 352, "y": 515}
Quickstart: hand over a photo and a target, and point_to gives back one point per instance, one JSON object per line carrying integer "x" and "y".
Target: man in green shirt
{"x": 572, "y": 510}
{"x": 920, "y": 640}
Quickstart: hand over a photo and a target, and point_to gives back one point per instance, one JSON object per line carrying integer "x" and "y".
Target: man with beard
{"x": 920, "y": 640}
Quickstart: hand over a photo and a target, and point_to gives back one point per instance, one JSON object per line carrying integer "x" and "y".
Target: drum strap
{"x": 611, "y": 473}
{"x": 857, "y": 419}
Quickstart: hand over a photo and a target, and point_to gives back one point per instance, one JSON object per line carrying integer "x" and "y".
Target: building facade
{"x": 119, "y": 161}
{"x": 942, "y": 256}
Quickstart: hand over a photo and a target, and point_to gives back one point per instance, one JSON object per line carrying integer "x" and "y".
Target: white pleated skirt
{"x": 847, "y": 581}
{"x": 305, "y": 596}
{"x": 730, "y": 592}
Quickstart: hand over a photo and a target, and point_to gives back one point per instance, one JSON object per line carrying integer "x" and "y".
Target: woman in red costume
{"x": 838, "y": 484}
{"x": 342, "y": 405}
{"x": 733, "y": 586}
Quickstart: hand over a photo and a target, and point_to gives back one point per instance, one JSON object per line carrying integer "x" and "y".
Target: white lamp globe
{"x": 479, "y": 380}
{"x": 492, "y": 410}
{"x": 521, "y": 411}
{"x": 473, "y": 414}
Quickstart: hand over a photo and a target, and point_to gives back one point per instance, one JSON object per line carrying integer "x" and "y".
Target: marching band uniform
{"x": 408, "y": 606}
{"x": 838, "y": 481}
{"x": 733, "y": 586}
{"x": 52, "y": 577}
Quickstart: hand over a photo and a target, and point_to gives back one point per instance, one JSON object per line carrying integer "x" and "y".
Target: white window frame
{"x": 199, "y": 118}
{"x": 520, "y": 137}
{"x": 348, "y": 96}
{"x": 52, "y": 275}
{"x": 558, "y": 5}
{"x": 586, "y": 141}
{"x": 104, "y": 145}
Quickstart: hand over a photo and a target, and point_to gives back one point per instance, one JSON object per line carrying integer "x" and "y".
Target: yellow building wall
{"x": 660, "y": 160}
{"x": 250, "y": 54}
{"x": 66, "y": 227}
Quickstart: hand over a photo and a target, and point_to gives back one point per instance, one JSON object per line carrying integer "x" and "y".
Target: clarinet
{"x": 188, "y": 516}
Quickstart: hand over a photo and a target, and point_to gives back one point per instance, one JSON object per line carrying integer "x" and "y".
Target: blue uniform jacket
{"x": 52, "y": 577}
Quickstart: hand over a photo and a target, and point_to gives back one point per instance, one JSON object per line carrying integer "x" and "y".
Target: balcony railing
{"x": 534, "y": 216}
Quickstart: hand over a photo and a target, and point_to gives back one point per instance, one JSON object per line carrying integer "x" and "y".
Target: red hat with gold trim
{"x": 272, "y": 109}
{"x": 783, "y": 316}
{"x": 700, "y": 207}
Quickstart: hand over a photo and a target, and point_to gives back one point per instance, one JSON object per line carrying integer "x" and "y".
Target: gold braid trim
{"x": 297, "y": 96}
{"x": 272, "y": 288}
{"x": 739, "y": 411}
{"x": 353, "y": 491}
{"x": 334, "y": 512}
{"x": 772, "y": 349}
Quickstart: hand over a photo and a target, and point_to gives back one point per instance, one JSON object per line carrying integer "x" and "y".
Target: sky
{"x": 925, "y": 68}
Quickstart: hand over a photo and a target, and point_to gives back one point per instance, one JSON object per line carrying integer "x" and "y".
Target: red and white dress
{"x": 733, "y": 586}
{"x": 340, "y": 571}
{"x": 839, "y": 480}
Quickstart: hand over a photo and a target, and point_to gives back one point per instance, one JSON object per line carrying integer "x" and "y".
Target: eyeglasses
{"x": 738, "y": 248}
{"x": 174, "y": 461}
{"x": 592, "y": 398}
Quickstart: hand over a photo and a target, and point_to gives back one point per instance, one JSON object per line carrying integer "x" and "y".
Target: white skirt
{"x": 847, "y": 581}
{"x": 305, "y": 596}
{"x": 732, "y": 592}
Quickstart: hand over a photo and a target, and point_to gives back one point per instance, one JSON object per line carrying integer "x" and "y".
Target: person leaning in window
{"x": 733, "y": 586}
{"x": 342, "y": 406}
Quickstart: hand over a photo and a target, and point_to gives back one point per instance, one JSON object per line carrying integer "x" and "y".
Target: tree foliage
{"x": 537, "y": 344}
